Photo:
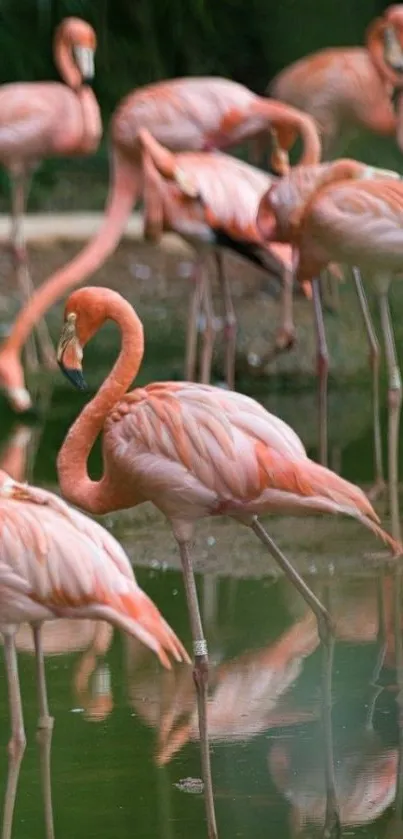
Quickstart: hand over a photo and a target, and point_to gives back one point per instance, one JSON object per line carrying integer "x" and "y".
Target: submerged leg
{"x": 194, "y": 312}
{"x": 322, "y": 369}
{"x": 374, "y": 362}
{"x": 394, "y": 403}
{"x": 332, "y": 826}
{"x": 200, "y": 675}
{"x": 16, "y": 746}
{"x": 18, "y": 201}
{"x": 44, "y": 732}
{"x": 209, "y": 332}
{"x": 322, "y": 615}
{"x": 230, "y": 323}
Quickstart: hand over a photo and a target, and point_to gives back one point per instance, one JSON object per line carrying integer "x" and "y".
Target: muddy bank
{"x": 157, "y": 281}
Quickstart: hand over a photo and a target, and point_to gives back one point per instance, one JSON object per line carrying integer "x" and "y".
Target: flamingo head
{"x": 80, "y": 37}
{"x": 393, "y": 37}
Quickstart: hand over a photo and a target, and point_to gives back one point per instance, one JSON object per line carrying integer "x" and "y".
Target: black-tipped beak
{"x": 74, "y": 376}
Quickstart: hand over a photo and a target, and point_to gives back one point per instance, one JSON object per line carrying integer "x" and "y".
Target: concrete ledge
{"x": 48, "y": 228}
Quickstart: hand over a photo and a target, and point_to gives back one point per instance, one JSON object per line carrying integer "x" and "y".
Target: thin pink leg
{"x": 209, "y": 332}
{"x": 19, "y": 185}
{"x": 375, "y": 356}
{"x": 230, "y": 322}
{"x": 192, "y": 328}
{"x": 322, "y": 369}
{"x": 395, "y": 403}
{"x": 16, "y": 746}
{"x": 44, "y": 733}
{"x": 200, "y": 675}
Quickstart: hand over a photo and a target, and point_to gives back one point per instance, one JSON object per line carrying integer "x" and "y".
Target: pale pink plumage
{"x": 55, "y": 562}
{"x": 345, "y": 89}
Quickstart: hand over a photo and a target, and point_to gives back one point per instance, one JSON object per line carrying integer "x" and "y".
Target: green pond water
{"x": 118, "y": 715}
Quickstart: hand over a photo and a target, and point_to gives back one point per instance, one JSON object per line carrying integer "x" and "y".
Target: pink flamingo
{"x": 358, "y": 222}
{"x": 345, "y": 89}
{"x": 55, "y": 562}
{"x": 211, "y": 200}
{"x": 194, "y": 114}
{"x": 45, "y": 119}
{"x": 194, "y": 451}
{"x": 279, "y": 217}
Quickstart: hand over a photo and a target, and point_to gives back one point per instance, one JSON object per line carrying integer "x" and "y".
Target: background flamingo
{"x": 359, "y": 223}
{"x": 211, "y": 200}
{"x": 44, "y": 119}
{"x": 345, "y": 89}
{"x": 280, "y": 216}
{"x": 194, "y": 451}
{"x": 184, "y": 114}
{"x": 55, "y": 562}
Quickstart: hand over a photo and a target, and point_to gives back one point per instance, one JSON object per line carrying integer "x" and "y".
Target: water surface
{"x": 125, "y": 737}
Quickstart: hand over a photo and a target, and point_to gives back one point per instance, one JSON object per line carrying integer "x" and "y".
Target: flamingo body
{"x": 55, "y": 562}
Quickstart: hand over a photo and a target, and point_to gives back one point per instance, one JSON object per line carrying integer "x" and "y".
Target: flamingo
{"x": 193, "y": 114}
{"x": 44, "y": 119}
{"x": 279, "y": 217}
{"x": 345, "y": 89}
{"x": 211, "y": 200}
{"x": 55, "y": 562}
{"x": 358, "y": 222}
{"x": 194, "y": 451}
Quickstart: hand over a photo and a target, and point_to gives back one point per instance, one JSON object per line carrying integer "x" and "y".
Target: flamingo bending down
{"x": 360, "y": 223}
{"x": 194, "y": 451}
{"x": 348, "y": 88}
{"x": 56, "y": 562}
{"x": 46, "y": 119}
{"x": 198, "y": 114}
{"x": 279, "y": 218}
{"x": 211, "y": 200}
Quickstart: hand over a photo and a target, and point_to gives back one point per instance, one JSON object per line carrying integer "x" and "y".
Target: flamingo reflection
{"x": 245, "y": 696}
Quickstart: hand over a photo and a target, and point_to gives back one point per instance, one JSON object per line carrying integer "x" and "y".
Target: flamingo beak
{"x": 393, "y": 52}
{"x": 69, "y": 355}
{"x": 84, "y": 57}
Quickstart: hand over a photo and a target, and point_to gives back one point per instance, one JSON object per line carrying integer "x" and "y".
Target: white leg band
{"x": 200, "y": 647}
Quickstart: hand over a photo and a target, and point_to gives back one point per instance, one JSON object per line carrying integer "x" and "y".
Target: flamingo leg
{"x": 374, "y": 362}
{"x": 322, "y": 369}
{"x": 230, "y": 322}
{"x": 194, "y": 311}
{"x": 44, "y": 731}
{"x": 209, "y": 332}
{"x": 200, "y": 675}
{"x": 19, "y": 186}
{"x": 394, "y": 402}
{"x": 321, "y": 613}
{"x": 332, "y": 826}
{"x": 331, "y": 292}
{"x": 285, "y": 337}
{"x": 16, "y": 746}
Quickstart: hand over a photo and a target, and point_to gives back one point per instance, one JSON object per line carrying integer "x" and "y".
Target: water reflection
{"x": 265, "y": 705}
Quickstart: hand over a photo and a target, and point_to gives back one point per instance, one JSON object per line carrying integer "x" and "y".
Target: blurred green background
{"x": 140, "y": 41}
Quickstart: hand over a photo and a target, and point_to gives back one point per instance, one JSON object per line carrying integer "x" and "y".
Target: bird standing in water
{"x": 47, "y": 119}
{"x": 194, "y": 451}
{"x": 55, "y": 562}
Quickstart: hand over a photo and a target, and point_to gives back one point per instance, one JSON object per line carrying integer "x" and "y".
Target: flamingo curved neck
{"x": 65, "y": 63}
{"x": 72, "y": 461}
{"x": 124, "y": 189}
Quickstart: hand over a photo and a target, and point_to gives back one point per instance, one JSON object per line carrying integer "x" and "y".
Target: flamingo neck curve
{"x": 72, "y": 461}
{"x": 67, "y": 67}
